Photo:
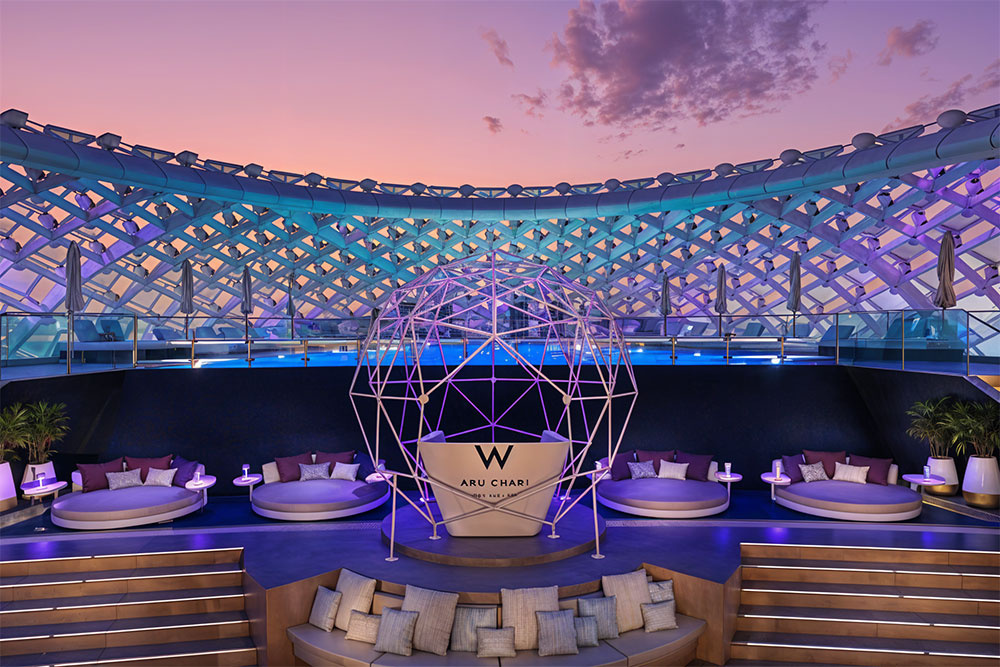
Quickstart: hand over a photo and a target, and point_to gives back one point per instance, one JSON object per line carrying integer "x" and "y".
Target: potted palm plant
{"x": 47, "y": 425}
{"x": 976, "y": 430}
{"x": 929, "y": 423}
{"x": 13, "y": 433}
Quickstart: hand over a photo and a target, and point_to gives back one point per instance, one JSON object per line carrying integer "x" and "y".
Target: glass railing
{"x": 946, "y": 341}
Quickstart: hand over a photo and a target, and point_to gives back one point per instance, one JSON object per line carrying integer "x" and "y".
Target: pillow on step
{"x": 324, "y": 609}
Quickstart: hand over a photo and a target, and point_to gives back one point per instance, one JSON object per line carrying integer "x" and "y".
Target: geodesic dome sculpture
{"x": 494, "y": 377}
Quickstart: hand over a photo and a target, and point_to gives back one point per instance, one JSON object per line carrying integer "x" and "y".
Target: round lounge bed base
{"x": 848, "y": 516}
{"x": 66, "y": 514}
{"x": 664, "y": 513}
{"x": 282, "y": 515}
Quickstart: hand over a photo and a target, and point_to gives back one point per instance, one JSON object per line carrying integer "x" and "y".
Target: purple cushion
{"x": 878, "y": 469}
{"x": 698, "y": 464}
{"x": 661, "y": 494}
{"x": 829, "y": 459}
{"x": 185, "y": 470}
{"x": 654, "y": 456}
{"x": 790, "y": 466}
{"x": 288, "y": 466}
{"x": 334, "y": 458}
{"x": 619, "y": 466}
{"x": 160, "y": 463}
{"x": 94, "y": 475}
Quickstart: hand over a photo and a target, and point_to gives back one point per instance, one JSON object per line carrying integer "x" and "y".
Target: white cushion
{"x": 348, "y": 471}
{"x": 849, "y": 473}
{"x": 670, "y": 470}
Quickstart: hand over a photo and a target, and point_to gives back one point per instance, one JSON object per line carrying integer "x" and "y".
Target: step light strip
{"x": 119, "y": 603}
{"x": 96, "y": 556}
{"x": 869, "y": 548}
{"x": 172, "y": 656}
{"x": 834, "y": 648}
{"x": 151, "y": 628}
{"x": 818, "y": 619}
{"x": 129, "y": 578}
{"x": 868, "y": 595}
{"x": 866, "y": 569}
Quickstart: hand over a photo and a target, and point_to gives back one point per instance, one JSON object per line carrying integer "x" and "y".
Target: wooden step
{"x": 921, "y": 575}
{"x": 20, "y": 568}
{"x": 122, "y": 632}
{"x": 119, "y": 606}
{"x": 868, "y": 623}
{"x": 887, "y": 598}
{"x": 232, "y": 652}
{"x": 870, "y": 554}
{"x": 106, "y": 582}
{"x": 854, "y": 650}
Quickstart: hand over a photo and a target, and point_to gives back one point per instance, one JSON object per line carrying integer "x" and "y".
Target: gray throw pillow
{"x": 436, "y": 611}
{"x": 586, "y": 631}
{"x": 556, "y": 633}
{"x": 395, "y": 632}
{"x": 363, "y": 627}
{"x": 495, "y": 643}
{"x": 604, "y": 612}
{"x": 157, "y": 477}
{"x": 661, "y": 591}
{"x": 467, "y": 619}
{"x": 358, "y": 593}
{"x": 630, "y": 590}
{"x": 309, "y": 471}
{"x": 811, "y": 472}
{"x": 518, "y": 612}
{"x": 659, "y": 615}
{"x": 324, "y": 609}
{"x": 348, "y": 471}
{"x": 642, "y": 469}
{"x": 124, "y": 480}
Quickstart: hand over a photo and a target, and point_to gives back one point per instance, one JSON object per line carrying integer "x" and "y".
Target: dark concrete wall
{"x": 225, "y": 417}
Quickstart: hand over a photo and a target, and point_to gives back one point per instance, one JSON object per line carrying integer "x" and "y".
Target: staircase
{"x": 868, "y": 606}
{"x": 168, "y": 608}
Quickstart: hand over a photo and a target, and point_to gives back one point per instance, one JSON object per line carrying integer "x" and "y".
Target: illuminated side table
{"x": 204, "y": 484}
{"x": 249, "y": 480}
{"x": 775, "y": 480}
{"x": 918, "y": 480}
{"x": 728, "y": 479}
{"x": 37, "y": 491}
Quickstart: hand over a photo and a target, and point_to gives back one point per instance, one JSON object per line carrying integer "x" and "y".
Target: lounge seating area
{"x": 632, "y": 620}
{"x": 314, "y": 486}
{"x": 130, "y": 491}
{"x": 662, "y": 484}
{"x": 850, "y": 488}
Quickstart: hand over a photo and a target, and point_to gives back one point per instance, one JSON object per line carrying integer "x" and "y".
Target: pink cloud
{"x": 498, "y": 46}
{"x": 493, "y": 124}
{"x": 533, "y": 104}
{"x": 918, "y": 40}
{"x": 642, "y": 63}
{"x": 926, "y": 109}
{"x": 838, "y": 65}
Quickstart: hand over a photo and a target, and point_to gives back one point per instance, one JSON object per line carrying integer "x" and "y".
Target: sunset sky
{"x": 493, "y": 93}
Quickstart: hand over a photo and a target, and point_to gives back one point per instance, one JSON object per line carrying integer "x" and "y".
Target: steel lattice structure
{"x": 866, "y": 219}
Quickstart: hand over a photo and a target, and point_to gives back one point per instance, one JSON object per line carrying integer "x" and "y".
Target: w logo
{"x": 494, "y": 454}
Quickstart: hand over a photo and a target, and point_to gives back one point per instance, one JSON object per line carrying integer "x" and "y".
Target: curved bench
{"x": 637, "y": 647}
{"x": 664, "y": 498}
{"x": 135, "y": 506}
{"x": 835, "y": 499}
{"x": 318, "y": 499}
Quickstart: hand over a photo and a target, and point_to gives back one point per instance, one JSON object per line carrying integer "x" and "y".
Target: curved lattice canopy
{"x": 866, "y": 219}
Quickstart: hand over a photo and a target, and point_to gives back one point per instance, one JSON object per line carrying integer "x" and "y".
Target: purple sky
{"x": 493, "y": 93}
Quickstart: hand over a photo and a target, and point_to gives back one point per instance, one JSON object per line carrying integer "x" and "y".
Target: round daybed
{"x": 316, "y": 499}
{"x": 136, "y": 506}
{"x": 849, "y": 501}
{"x": 664, "y": 498}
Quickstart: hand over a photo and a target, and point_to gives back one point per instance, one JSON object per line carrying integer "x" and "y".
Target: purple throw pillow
{"x": 619, "y": 467}
{"x": 288, "y": 466}
{"x": 878, "y": 469}
{"x": 160, "y": 463}
{"x": 335, "y": 458}
{"x": 698, "y": 464}
{"x": 828, "y": 459}
{"x": 94, "y": 475}
{"x": 790, "y": 467}
{"x": 654, "y": 456}
{"x": 185, "y": 470}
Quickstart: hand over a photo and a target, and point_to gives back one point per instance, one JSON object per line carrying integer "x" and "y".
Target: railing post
{"x": 69, "y": 342}
{"x": 902, "y": 343}
{"x": 193, "y": 338}
{"x": 836, "y": 338}
{"x": 305, "y": 351}
{"x": 968, "y": 342}
{"x": 135, "y": 340}
{"x": 782, "y": 339}
{"x": 673, "y": 350}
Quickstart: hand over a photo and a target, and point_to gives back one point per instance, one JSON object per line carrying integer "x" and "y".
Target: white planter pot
{"x": 32, "y": 469}
{"x": 981, "y": 486}
{"x": 8, "y": 493}
{"x": 943, "y": 467}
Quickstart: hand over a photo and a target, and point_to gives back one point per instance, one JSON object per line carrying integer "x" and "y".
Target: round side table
{"x": 775, "y": 480}
{"x": 249, "y": 480}
{"x": 729, "y": 479}
{"x": 39, "y": 492}
{"x": 917, "y": 480}
{"x": 204, "y": 484}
